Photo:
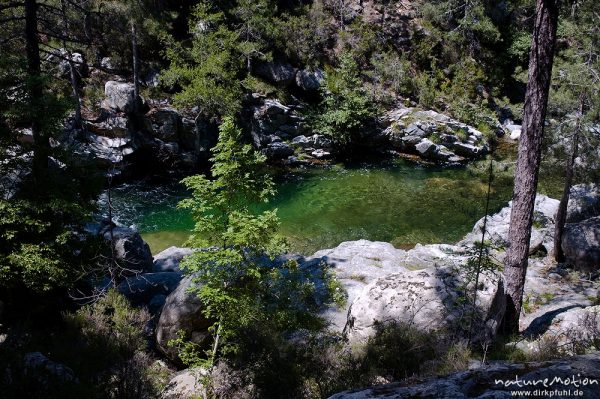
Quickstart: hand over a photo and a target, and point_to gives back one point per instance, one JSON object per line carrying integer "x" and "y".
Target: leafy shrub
{"x": 241, "y": 286}
{"x": 455, "y": 359}
{"x": 398, "y": 351}
{"x": 105, "y": 344}
{"x": 346, "y": 108}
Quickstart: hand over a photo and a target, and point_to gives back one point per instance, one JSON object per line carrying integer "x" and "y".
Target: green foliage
{"x": 426, "y": 89}
{"x": 456, "y": 358}
{"x": 208, "y": 68}
{"x": 480, "y": 264}
{"x": 393, "y": 71}
{"x": 189, "y": 352}
{"x": 398, "y": 351}
{"x": 37, "y": 241}
{"x": 360, "y": 39}
{"x": 111, "y": 326}
{"x": 304, "y": 37}
{"x": 255, "y": 27}
{"x": 239, "y": 285}
{"x": 104, "y": 343}
{"x": 111, "y": 348}
{"x": 346, "y": 108}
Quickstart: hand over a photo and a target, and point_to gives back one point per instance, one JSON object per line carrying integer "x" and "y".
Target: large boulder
{"x": 141, "y": 289}
{"x": 280, "y": 73}
{"x": 550, "y": 291}
{"x": 429, "y": 299}
{"x": 309, "y": 80}
{"x": 109, "y": 125}
{"x": 198, "y": 135}
{"x": 187, "y": 384}
{"x": 513, "y": 131}
{"x": 572, "y": 329}
{"x": 169, "y": 259}
{"x": 131, "y": 252}
{"x": 432, "y": 136}
{"x": 183, "y": 311}
{"x": 499, "y": 380}
{"x": 581, "y": 244}
{"x": 497, "y": 225}
{"x": 274, "y": 127}
{"x": 277, "y": 150}
{"x": 61, "y": 57}
{"x": 165, "y": 124}
{"x": 356, "y": 264}
{"x": 584, "y": 202}
{"x": 119, "y": 96}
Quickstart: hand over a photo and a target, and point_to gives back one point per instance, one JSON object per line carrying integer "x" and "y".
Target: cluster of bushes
{"x": 317, "y": 365}
{"x": 102, "y": 349}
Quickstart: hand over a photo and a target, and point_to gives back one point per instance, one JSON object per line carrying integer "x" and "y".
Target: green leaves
{"x": 208, "y": 68}
{"x": 346, "y": 107}
{"x": 238, "y": 281}
{"x": 38, "y": 244}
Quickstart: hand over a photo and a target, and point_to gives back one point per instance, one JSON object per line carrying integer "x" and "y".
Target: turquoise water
{"x": 401, "y": 203}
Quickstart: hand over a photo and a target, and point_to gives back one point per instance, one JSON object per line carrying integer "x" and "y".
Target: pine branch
{"x": 10, "y": 19}
{"x": 14, "y": 4}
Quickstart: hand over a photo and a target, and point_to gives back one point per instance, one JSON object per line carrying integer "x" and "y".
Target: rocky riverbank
{"x": 129, "y": 138}
{"x": 422, "y": 286}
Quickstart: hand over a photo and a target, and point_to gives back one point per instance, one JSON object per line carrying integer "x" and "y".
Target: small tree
{"x": 238, "y": 285}
{"x": 208, "y": 67}
{"x": 254, "y": 25}
{"x": 346, "y": 108}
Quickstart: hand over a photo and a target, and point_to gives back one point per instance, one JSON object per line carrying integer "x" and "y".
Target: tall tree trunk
{"x": 41, "y": 143}
{"x": 136, "y": 67}
{"x": 72, "y": 69}
{"x": 561, "y": 214}
{"x": 528, "y": 160}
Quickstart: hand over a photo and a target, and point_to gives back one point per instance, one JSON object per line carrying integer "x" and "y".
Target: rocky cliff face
{"x": 165, "y": 140}
{"x": 126, "y": 145}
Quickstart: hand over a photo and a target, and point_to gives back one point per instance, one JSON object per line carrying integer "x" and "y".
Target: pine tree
{"x": 346, "y": 108}
{"x": 528, "y": 159}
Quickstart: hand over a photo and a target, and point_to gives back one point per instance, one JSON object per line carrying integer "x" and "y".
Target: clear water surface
{"x": 400, "y": 202}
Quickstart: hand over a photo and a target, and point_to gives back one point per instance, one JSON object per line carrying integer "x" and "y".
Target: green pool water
{"x": 401, "y": 203}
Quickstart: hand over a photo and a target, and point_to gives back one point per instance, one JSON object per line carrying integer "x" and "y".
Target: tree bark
{"x": 561, "y": 214}
{"x": 136, "y": 67}
{"x": 41, "y": 143}
{"x": 528, "y": 159}
{"x": 72, "y": 69}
